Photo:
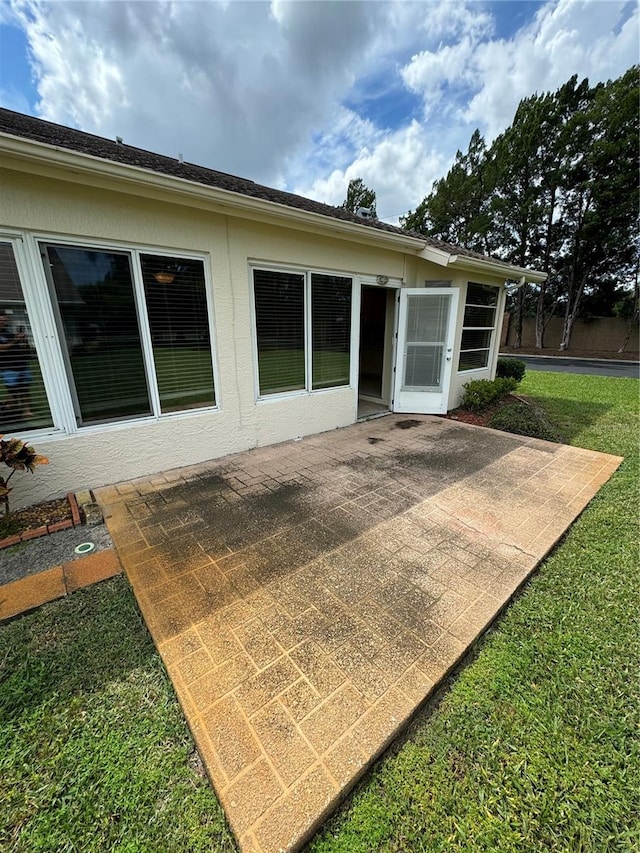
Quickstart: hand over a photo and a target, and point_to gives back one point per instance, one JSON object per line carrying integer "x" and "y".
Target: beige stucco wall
{"x": 50, "y": 208}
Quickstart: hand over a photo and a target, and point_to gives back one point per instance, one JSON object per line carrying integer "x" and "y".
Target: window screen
{"x": 478, "y": 328}
{"x": 279, "y": 304}
{"x": 23, "y": 401}
{"x": 178, "y": 320}
{"x": 331, "y": 330}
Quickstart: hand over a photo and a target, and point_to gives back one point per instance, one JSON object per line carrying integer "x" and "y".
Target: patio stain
{"x": 307, "y": 598}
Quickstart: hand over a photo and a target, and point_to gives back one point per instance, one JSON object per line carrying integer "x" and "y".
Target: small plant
{"x": 513, "y": 368}
{"x": 523, "y": 419}
{"x": 18, "y": 456}
{"x": 482, "y": 393}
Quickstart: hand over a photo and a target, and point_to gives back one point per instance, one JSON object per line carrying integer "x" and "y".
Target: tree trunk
{"x": 517, "y": 342}
{"x": 571, "y": 315}
{"x": 540, "y": 322}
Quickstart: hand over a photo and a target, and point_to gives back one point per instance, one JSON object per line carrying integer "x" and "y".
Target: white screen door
{"x": 426, "y": 328}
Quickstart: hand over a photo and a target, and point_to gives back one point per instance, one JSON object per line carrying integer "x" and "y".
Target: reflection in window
{"x": 331, "y": 330}
{"x": 23, "y": 401}
{"x": 177, "y": 310}
{"x": 279, "y": 305}
{"x": 98, "y": 323}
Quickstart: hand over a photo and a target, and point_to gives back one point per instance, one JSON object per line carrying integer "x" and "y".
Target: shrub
{"x": 523, "y": 419}
{"x": 482, "y": 393}
{"x": 19, "y": 457}
{"x": 513, "y": 368}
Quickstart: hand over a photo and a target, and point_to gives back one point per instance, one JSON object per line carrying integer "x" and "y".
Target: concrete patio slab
{"x": 306, "y": 598}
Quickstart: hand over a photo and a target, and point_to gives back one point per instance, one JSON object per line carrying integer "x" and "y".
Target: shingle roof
{"x": 28, "y": 127}
{"x": 38, "y": 130}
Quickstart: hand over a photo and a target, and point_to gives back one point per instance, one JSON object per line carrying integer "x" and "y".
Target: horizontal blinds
{"x": 279, "y": 310}
{"x": 478, "y": 328}
{"x": 23, "y": 400}
{"x": 176, "y": 302}
{"x": 98, "y": 321}
{"x": 331, "y": 330}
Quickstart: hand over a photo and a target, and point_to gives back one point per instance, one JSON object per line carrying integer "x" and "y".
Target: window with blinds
{"x": 280, "y": 312}
{"x": 108, "y": 306}
{"x": 176, "y": 303}
{"x": 479, "y": 326}
{"x": 425, "y": 342}
{"x": 286, "y": 305}
{"x": 23, "y": 400}
{"x": 330, "y": 330}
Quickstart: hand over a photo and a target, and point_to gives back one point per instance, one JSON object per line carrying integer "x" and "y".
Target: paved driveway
{"x": 590, "y": 366}
{"x": 307, "y": 597}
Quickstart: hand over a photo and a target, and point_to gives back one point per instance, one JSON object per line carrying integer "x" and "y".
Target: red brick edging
{"x": 46, "y": 529}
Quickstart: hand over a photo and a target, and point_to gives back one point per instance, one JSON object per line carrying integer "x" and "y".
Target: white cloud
{"x": 301, "y": 94}
{"x": 479, "y": 81}
{"x": 399, "y": 166}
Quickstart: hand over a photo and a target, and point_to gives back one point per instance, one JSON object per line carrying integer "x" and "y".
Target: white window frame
{"x": 307, "y": 273}
{"x": 38, "y": 301}
{"x": 489, "y": 350}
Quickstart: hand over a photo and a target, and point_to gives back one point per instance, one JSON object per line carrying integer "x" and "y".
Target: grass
{"x": 94, "y": 752}
{"x": 533, "y": 747}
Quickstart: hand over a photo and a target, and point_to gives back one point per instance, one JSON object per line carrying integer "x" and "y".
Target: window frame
{"x": 28, "y": 248}
{"x": 307, "y": 273}
{"x": 491, "y": 329}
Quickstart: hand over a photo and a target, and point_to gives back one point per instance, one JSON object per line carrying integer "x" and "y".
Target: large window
{"x": 303, "y": 330}
{"x": 479, "y": 326}
{"x": 134, "y": 331}
{"x": 23, "y": 401}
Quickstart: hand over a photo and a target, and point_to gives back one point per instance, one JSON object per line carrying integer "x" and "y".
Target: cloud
{"x": 399, "y": 166}
{"x": 479, "y": 80}
{"x": 307, "y": 95}
{"x": 235, "y": 85}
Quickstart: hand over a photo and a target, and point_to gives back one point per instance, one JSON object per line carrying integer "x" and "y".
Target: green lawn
{"x": 532, "y": 748}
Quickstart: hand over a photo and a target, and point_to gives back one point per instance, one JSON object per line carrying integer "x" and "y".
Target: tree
{"x": 359, "y": 196}
{"x": 557, "y": 191}
{"x": 456, "y": 210}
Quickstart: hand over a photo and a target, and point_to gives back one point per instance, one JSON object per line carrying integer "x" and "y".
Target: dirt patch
{"x": 483, "y": 418}
{"x": 408, "y": 424}
{"x": 32, "y": 517}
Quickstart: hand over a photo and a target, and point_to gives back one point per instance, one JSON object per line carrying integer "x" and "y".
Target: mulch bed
{"x": 482, "y": 418}
{"x": 37, "y": 517}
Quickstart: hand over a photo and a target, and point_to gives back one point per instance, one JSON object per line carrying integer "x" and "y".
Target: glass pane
{"x": 473, "y": 359}
{"x": 23, "y": 401}
{"x": 481, "y": 294}
{"x": 427, "y": 318}
{"x": 97, "y": 315}
{"x": 475, "y": 339}
{"x": 177, "y": 310}
{"x": 331, "y": 330}
{"x": 279, "y": 303}
{"x": 426, "y": 333}
{"x": 422, "y": 367}
{"x": 474, "y": 316}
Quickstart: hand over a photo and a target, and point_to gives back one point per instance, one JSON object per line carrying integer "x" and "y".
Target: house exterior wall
{"x": 45, "y": 207}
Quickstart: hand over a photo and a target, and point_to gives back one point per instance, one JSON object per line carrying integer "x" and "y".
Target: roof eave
{"x": 79, "y": 166}
{"x": 488, "y": 266}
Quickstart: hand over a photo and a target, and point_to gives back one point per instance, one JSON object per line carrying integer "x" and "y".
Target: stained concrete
{"x": 306, "y": 598}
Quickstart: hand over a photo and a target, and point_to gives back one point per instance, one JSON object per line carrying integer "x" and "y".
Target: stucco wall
{"x": 50, "y": 208}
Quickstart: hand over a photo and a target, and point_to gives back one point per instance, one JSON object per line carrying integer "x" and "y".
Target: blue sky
{"x": 305, "y": 95}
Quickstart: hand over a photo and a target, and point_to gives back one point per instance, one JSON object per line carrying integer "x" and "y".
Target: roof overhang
{"x": 63, "y": 164}
{"x": 488, "y": 266}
